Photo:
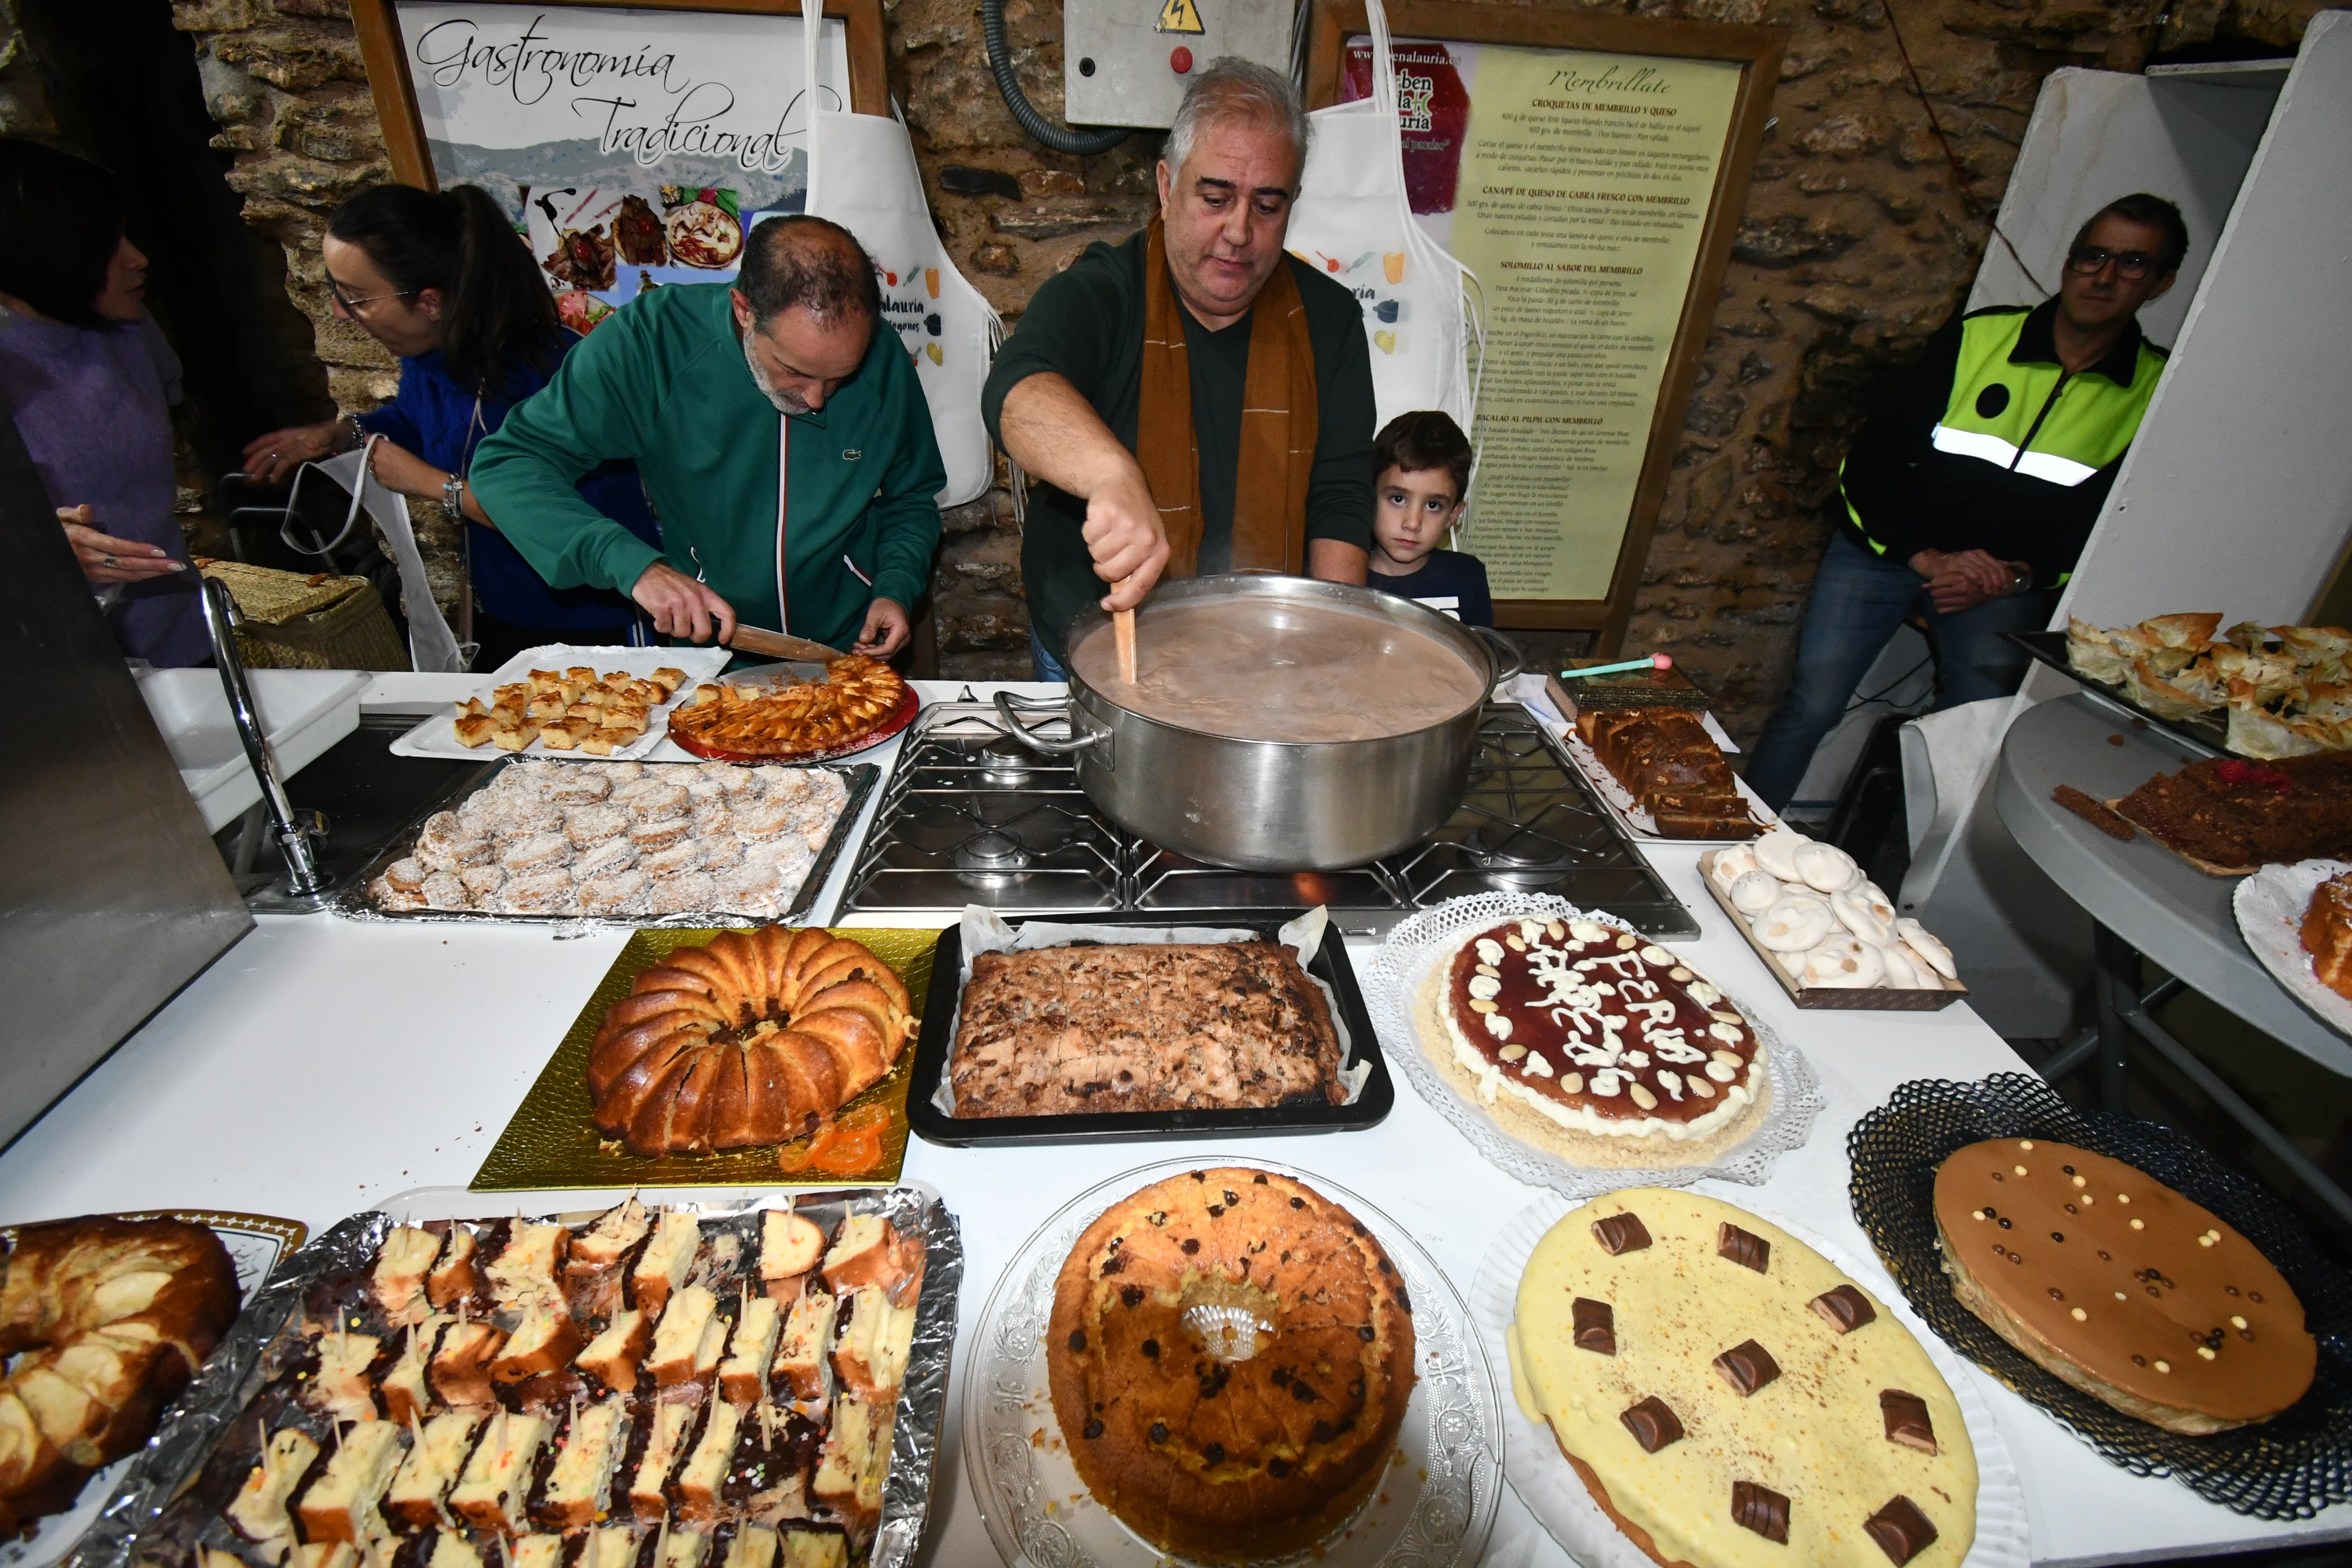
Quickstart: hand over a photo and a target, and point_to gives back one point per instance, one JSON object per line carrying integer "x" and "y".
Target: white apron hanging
{"x": 432, "y": 649}
{"x": 1354, "y": 223}
{"x": 861, "y": 175}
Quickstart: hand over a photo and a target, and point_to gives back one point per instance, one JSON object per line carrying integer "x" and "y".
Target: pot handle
{"x": 1507, "y": 652}
{"x": 1008, "y": 704}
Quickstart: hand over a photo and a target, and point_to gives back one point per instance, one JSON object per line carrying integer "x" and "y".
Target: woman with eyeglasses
{"x": 88, "y": 380}
{"x": 442, "y": 279}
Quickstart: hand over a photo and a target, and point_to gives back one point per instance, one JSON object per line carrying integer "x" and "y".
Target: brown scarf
{"x": 1278, "y": 425}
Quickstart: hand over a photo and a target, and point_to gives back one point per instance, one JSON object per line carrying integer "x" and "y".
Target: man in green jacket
{"x": 783, "y": 440}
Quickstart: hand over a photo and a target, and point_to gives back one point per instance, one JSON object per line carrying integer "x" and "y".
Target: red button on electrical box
{"x": 1180, "y": 59}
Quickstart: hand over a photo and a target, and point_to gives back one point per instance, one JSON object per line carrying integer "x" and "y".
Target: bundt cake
{"x": 111, "y": 1318}
{"x": 751, "y": 1039}
{"x": 1231, "y": 1354}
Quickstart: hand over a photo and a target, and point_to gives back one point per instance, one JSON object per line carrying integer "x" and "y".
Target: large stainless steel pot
{"x": 1270, "y": 806}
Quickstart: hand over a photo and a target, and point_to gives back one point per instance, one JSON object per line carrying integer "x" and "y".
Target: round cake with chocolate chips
{"x": 1594, "y": 1043}
{"x": 1231, "y": 1356}
{"x": 2109, "y": 1279}
{"x": 1731, "y": 1398}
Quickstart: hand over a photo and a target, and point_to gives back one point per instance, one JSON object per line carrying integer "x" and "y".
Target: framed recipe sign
{"x": 634, "y": 145}
{"x": 1591, "y": 169}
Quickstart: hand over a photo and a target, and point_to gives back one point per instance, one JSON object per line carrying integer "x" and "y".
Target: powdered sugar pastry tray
{"x": 1392, "y": 982}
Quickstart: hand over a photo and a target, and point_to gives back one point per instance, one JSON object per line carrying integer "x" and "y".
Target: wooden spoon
{"x": 1122, "y": 626}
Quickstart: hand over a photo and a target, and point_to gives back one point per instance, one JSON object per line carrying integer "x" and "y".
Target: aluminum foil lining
{"x": 154, "y": 1521}
{"x": 354, "y": 903}
{"x": 985, "y": 931}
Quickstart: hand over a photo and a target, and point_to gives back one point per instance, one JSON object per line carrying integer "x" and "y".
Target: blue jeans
{"x": 1858, "y": 602}
{"x": 1047, "y": 666}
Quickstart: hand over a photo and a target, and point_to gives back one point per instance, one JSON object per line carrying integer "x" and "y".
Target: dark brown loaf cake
{"x": 1208, "y": 1437}
{"x": 2236, "y": 814}
{"x": 1147, "y": 1027}
{"x": 1672, "y": 767}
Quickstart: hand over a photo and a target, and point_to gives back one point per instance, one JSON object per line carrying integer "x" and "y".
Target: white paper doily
{"x": 2270, "y": 906}
{"x": 1393, "y": 978}
{"x": 1434, "y": 1510}
{"x": 1532, "y": 1461}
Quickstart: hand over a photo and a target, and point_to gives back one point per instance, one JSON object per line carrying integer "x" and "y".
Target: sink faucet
{"x": 222, "y": 618}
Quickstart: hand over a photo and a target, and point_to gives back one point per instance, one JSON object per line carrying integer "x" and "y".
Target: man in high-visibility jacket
{"x": 1973, "y": 486}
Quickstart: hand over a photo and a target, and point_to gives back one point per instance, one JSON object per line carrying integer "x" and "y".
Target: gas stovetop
{"x": 970, "y": 816}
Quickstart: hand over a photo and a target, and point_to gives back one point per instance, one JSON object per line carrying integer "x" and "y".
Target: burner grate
{"x": 972, "y": 816}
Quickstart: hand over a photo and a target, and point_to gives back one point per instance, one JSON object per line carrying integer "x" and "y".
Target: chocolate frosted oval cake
{"x": 1590, "y": 1030}
{"x": 1231, "y": 1354}
{"x": 2110, "y": 1280}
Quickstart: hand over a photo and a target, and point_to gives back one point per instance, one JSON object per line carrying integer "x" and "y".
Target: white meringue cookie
{"x": 1757, "y": 892}
{"x": 1794, "y": 924}
{"x": 1730, "y": 865}
{"x": 1873, "y": 922}
{"x": 1777, "y": 852}
{"x": 1843, "y": 963}
{"x": 1794, "y": 962}
{"x": 1826, "y": 866}
{"x": 1929, "y": 946}
{"x": 1928, "y": 979}
{"x": 1902, "y": 974}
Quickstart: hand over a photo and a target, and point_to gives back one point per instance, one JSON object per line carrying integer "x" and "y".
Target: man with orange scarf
{"x": 1195, "y": 400}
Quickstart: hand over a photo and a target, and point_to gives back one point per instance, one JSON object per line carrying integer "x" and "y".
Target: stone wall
{"x": 1856, "y": 242}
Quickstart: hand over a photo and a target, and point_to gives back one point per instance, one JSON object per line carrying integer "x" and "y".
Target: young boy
{"x": 1425, "y": 466}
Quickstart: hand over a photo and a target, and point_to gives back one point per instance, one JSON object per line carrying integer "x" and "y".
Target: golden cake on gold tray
{"x": 857, "y": 698}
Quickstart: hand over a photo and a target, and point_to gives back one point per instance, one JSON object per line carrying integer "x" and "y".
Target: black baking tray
{"x": 2204, "y": 733}
{"x": 1330, "y": 964}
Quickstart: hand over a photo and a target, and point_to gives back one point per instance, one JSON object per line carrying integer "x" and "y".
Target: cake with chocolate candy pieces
{"x": 1730, "y": 1399}
{"x": 2114, "y": 1283}
{"x": 1593, "y": 1043}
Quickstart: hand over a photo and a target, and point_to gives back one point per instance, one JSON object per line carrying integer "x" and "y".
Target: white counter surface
{"x": 321, "y": 1065}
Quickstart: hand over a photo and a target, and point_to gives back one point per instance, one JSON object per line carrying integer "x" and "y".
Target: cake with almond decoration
{"x": 1593, "y": 1043}
{"x": 1231, "y": 1354}
{"x": 2114, "y": 1282}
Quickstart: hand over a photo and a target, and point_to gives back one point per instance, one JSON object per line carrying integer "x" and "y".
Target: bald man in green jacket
{"x": 784, "y": 442}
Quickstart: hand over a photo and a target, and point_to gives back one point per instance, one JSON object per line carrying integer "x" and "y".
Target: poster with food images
{"x": 633, "y": 149}
{"x": 1576, "y": 186}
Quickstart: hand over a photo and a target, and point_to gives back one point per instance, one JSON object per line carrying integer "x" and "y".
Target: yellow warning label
{"x": 1180, "y": 17}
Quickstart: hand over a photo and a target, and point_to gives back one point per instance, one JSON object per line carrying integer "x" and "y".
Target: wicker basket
{"x": 297, "y": 622}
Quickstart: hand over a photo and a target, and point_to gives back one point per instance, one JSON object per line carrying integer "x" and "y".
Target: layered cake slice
{"x": 341, "y": 1505}
{"x": 612, "y": 1357}
{"x": 789, "y": 1246}
{"x": 684, "y": 1346}
{"x": 754, "y": 1546}
{"x": 435, "y": 1459}
{"x": 664, "y": 1445}
{"x": 683, "y": 1549}
{"x": 536, "y": 1551}
{"x": 340, "y": 1390}
{"x": 460, "y": 1371}
{"x": 615, "y": 1546}
{"x": 451, "y": 1550}
{"x": 401, "y": 1267}
{"x": 491, "y": 1493}
{"x": 608, "y": 1241}
{"x": 258, "y": 1510}
{"x": 801, "y": 1362}
{"x": 668, "y": 1260}
{"x": 705, "y": 1473}
{"x": 407, "y": 1387}
{"x": 815, "y": 1548}
{"x": 545, "y": 1340}
{"x": 580, "y": 1486}
{"x": 743, "y": 1376}
{"x": 856, "y": 1456}
{"x": 457, "y": 1277}
{"x": 871, "y": 1350}
{"x": 525, "y": 1275}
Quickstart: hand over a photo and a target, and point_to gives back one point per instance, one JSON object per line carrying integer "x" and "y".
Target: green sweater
{"x": 663, "y": 382}
{"x": 1087, "y": 324}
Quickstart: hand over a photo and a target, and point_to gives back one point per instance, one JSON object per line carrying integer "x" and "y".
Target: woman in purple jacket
{"x": 90, "y": 382}
{"x": 441, "y": 281}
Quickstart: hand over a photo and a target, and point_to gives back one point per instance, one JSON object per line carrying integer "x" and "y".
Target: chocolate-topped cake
{"x": 1597, "y": 1031}
{"x": 2233, "y": 816}
{"x": 2120, "y": 1286}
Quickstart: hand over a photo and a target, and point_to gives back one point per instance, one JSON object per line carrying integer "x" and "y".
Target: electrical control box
{"x": 1128, "y": 62}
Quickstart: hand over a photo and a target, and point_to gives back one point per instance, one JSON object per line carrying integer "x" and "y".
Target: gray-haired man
{"x": 1194, "y": 400}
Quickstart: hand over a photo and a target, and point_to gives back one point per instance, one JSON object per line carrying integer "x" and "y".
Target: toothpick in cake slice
{"x": 436, "y": 1457}
{"x": 340, "y": 1389}
{"x": 525, "y": 1274}
{"x": 460, "y": 1369}
{"x": 753, "y": 1546}
{"x": 457, "y": 1277}
{"x": 705, "y": 1472}
{"x": 258, "y": 1510}
{"x": 615, "y": 1546}
{"x": 789, "y": 1246}
{"x": 815, "y": 1548}
{"x": 865, "y": 1252}
{"x": 649, "y": 1488}
{"x": 870, "y": 1349}
{"x": 667, "y": 1260}
{"x": 491, "y": 1493}
{"x": 683, "y": 1549}
{"x": 612, "y": 1356}
{"x": 580, "y": 1486}
{"x": 684, "y": 1348}
{"x": 401, "y": 1267}
{"x": 341, "y": 1505}
{"x": 743, "y": 1376}
{"x": 856, "y": 1453}
{"x": 545, "y": 1340}
{"x": 451, "y": 1550}
{"x": 801, "y": 1365}
{"x": 407, "y": 1388}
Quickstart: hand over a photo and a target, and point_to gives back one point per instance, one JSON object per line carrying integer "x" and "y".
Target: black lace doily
{"x": 2289, "y": 1466}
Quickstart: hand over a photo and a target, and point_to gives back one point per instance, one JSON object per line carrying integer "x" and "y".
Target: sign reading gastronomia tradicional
{"x": 1576, "y": 186}
{"x": 633, "y": 148}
